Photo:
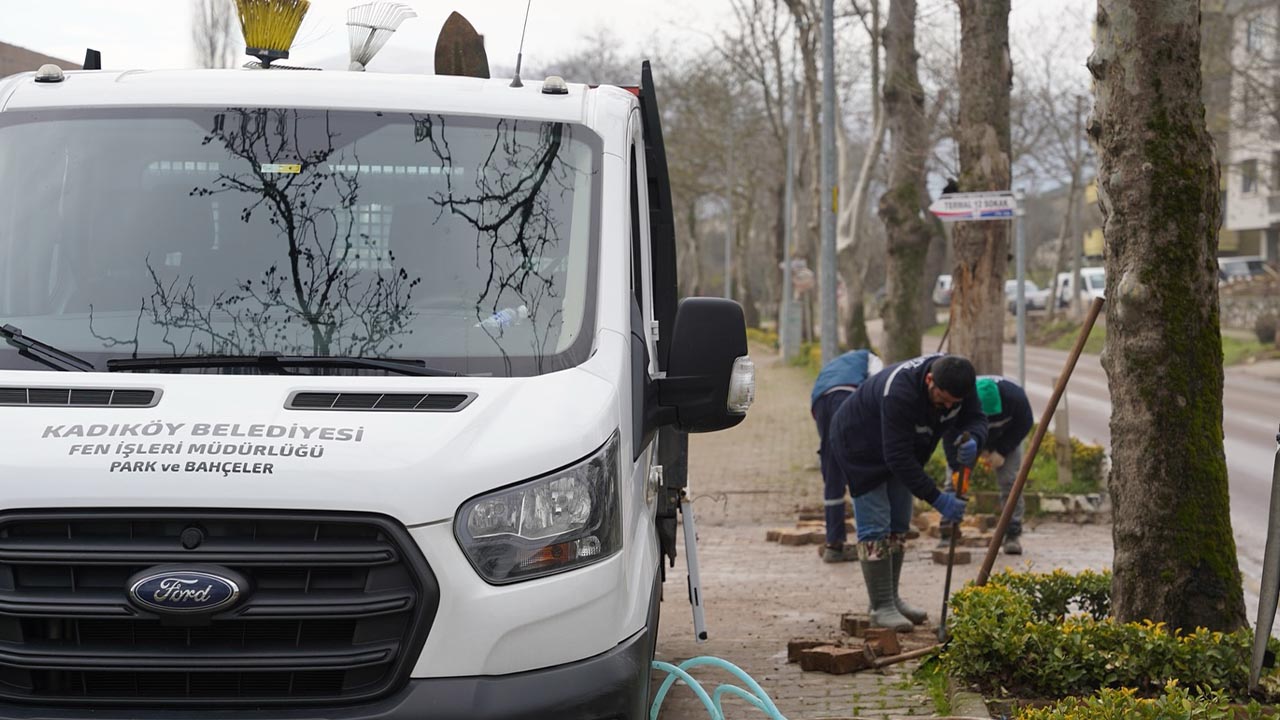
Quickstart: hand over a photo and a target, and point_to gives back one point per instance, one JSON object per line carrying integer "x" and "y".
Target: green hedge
{"x": 1176, "y": 703}
{"x": 1047, "y": 636}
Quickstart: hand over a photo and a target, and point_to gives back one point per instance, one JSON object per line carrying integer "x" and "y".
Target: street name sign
{"x": 957, "y": 207}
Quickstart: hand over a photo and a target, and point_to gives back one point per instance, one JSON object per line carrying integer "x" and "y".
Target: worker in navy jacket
{"x": 881, "y": 438}
{"x": 1009, "y": 422}
{"x": 836, "y": 382}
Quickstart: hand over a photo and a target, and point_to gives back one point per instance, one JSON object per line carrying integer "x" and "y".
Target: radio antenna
{"x": 515, "y": 81}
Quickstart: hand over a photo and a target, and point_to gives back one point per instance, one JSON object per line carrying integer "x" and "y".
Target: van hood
{"x": 227, "y": 441}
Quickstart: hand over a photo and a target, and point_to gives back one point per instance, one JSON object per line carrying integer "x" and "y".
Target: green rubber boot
{"x": 878, "y": 575}
{"x": 897, "y": 554}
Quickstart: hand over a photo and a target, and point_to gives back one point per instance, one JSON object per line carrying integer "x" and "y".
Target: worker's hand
{"x": 951, "y": 507}
{"x": 995, "y": 459}
{"x": 967, "y": 453}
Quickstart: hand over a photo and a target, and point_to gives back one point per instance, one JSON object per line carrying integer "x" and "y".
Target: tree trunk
{"x": 852, "y": 255}
{"x": 982, "y": 248}
{"x": 1159, "y": 198}
{"x": 904, "y": 202}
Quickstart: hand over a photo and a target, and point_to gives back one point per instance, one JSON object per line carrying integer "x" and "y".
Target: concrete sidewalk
{"x": 758, "y": 594}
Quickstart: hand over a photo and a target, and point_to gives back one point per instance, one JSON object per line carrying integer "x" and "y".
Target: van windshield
{"x": 465, "y": 242}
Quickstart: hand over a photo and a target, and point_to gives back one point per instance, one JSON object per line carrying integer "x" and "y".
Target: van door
{"x": 673, "y": 445}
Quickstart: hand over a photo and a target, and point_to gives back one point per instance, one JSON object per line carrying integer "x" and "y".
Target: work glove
{"x": 967, "y": 453}
{"x": 995, "y": 460}
{"x": 951, "y": 507}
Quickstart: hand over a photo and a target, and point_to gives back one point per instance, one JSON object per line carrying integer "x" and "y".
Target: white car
{"x": 1035, "y": 298}
{"x": 1093, "y": 281}
{"x": 942, "y": 290}
{"x": 341, "y": 394}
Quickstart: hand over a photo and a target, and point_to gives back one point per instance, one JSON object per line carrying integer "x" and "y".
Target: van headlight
{"x": 551, "y": 524}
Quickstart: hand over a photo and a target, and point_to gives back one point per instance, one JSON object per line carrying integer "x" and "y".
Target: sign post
{"x": 986, "y": 206}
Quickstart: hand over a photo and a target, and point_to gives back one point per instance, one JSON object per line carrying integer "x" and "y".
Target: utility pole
{"x": 827, "y": 283}
{"x": 788, "y": 317}
{"x": 1077, "y": 242}
{"x": 1020, "y": 263}
{"x": 728, "y": 232}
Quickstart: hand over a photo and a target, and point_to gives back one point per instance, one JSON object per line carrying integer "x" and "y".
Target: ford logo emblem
{"x": 183, "y": 591}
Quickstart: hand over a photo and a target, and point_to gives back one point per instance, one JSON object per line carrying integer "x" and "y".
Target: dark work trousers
{"x": 833, "y": 483}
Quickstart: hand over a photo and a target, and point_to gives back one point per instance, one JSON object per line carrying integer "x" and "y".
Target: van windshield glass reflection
{"x": 464, "y": 242}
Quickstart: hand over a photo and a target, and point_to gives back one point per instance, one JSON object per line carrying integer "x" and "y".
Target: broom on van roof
{"x": 269, "y": 26}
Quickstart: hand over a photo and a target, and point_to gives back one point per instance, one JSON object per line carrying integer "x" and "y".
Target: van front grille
{"x": 338, "y": 607}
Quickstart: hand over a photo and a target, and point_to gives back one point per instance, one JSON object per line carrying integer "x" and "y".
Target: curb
{"x": 966, "y": 703}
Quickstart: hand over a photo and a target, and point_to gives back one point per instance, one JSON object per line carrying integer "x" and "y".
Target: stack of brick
{"x": 859, "y": 649}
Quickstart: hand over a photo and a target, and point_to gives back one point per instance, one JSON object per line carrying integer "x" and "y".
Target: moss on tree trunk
{"x": 903, "y": 205}
{"x": 982, "y": 248}
{"x": 1175, "y": 558}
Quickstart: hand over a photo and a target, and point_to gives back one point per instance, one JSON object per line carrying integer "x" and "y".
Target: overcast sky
{"x": 156, "y": 33}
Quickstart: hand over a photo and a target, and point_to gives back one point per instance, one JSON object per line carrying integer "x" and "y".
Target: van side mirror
{"x": 710, "y": 380}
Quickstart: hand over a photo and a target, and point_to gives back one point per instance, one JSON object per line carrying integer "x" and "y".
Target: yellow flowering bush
{"x": 1047, "y": 635}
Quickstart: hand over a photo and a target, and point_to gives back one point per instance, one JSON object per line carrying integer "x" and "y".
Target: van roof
{"x": 300, "y": 89}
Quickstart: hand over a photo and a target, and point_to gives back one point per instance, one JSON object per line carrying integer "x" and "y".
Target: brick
{"x": 883, "y": 641}
{"x": 793, "y": 537}
{"x": 818, "y": 536}
{"x": 816, "y": 658}
{"x": 911, "y": 534}
{"x": 940, "y": 556}
{"x": 855, "y": 624}
{"x": 810, "y": 524}
{"x": 810, "y": 516}
{"x": 773, "y": 535}
{"x": 834, "y": 660}
{"x": 927, "y": 520}
{"x": 799, "y": 645}
{"x": 849, "y": 660}
{"x": 975, "y": 541}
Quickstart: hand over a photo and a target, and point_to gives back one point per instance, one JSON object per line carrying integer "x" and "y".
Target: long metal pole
{"x": 1077, "y": 242}
{"x": 786, "y": 324}
{"x": 828, "y": 204}
{"x": 728, "y": 232}
{"x": 1020, "y": 254}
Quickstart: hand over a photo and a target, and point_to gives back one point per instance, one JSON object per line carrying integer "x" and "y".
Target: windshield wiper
{"x": 43, "y": 352}
{"x": 270, "y": 361}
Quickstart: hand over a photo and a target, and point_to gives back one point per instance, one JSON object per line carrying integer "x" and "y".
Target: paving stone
{"x": 795, "y": 647}
{"x": 883, "y": 640}
{"x": 855, "y": 625}
{"x": 941, "y": 556}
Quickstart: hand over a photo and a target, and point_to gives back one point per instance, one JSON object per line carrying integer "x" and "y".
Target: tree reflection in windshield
{"x": 287, "y": 173}
{"x": 335, "y": 233}
{"x": 513, "y": 208}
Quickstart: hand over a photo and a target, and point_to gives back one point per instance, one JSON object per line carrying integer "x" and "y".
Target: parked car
{"x": 1242, "y": 267}
{"x": 1093, "y": 281}
{"x": 942, "y": 290}
{"x": 1034, "y": 297}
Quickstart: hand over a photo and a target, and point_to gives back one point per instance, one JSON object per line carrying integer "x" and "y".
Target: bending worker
{"x": 881, "y": 438}
{"x": 836, "y": 383}
{"x": 1009, "y": 422}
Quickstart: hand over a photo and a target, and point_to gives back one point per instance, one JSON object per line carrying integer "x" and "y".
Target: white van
{"x": 1093, "y": 281}
{"x": 341, "y": 395}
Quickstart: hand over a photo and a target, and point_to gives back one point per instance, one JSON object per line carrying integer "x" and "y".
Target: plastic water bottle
{"x": 504, "y": 318}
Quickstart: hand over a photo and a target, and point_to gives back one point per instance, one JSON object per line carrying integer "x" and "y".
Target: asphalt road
{"x": 1251, "y": 412}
